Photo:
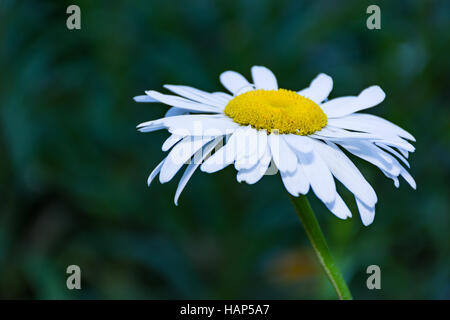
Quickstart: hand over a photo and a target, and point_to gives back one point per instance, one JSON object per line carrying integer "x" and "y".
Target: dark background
{"x": 73, "y": 168}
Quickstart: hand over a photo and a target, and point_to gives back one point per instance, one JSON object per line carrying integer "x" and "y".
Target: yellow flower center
{"x": 282, "y": 110}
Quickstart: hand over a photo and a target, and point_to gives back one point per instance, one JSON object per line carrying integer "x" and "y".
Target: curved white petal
{"x": 366, "y": 212}
{"x": 319, "y": 89}
{"x": 144, "y": 98}
{"x": 155, "y": 172}
{"x": 345, "y": 171}
{"x": 183, "y": 103}
{"x": 397, "y": 170}
{"x": 299, "y": 143}
{"x": 390, "y": 176}
{"x": 404, "y": 153}
{"x": 196, "y": 95}
{"x": 267, "y": 156}
{"x": 262, "y": 143}
{"x": 370, "y": 123}
{"x": 339, "y": 208}
{"x": 194, "y": 125}
{"x": 319, "y": 175}
{"x": 171, "y": 141}
{"x": 179, "y": 154}
{"x": 263, "y": 78}
{"x": 246, "y": 162}
{"x": 343, "y": 106}
{"x": 373, "y": 154}
{"x": 222, "y": 157}
{"x": 295, "y": 183}
{"x": 190, "y": 169}
{"x": 337, "y": 134}
{"x": 256, "y": 143}
{"x": 224, "y": 97}
{"x": 405, "y": 174}
{"x": 282, "y": 154}
{"x": 233, "y": 81}
{"x": 247, "y": 148}
{"x": 174, "y": 111}
{"x": 397, "y": 167}
{"x": 255, "y": 173}
{"x": 154, "y": 126}
{"x": 394, "y": 152}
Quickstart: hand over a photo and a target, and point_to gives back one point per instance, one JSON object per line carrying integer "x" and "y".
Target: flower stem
{"x": 315, "y": 235}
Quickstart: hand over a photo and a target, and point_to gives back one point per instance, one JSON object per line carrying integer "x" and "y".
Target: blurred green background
{"x": 73, "y": 168}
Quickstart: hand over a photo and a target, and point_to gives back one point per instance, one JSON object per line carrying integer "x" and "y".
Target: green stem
{"x": 320, "y": 246}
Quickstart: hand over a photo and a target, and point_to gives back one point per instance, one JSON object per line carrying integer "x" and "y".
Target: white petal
{"x": 144, "y": 98}
{"x": 194, "y": 125}
{"x": 174, "y": 111}
{"x": 222, "y": 96}
{"x": 319, "y": 176}
{"x": 394, "y": 178}
{"x": 366, "y": 212}
{"x": 397, "y": 166}
{"x": 222, "y": 157}
{"x": 319, "y": 89}
{"x": 343, "y": 106}
{"x": 296, "y": 183}
{"x": 400, "y": 144}
{"x": 282, "y": 154}
{"x": 155, "y": 172}
{"x": 345, "y": 171}
{"x": 263, "y": 78}
{"x": 246, "y": 162}
{"x": 196, "y": 95}
{"x": 150, "y": 128}
{"x": 404, "y": 153}
{"x": 370, "y": 123}
{"x": 394, "y": 152}
{"x": 171, "y": 141}
{"x": 372, "y": 154}
{"x": 399, "y": 170}
{"x": 297, "y": 142}
{"x": 262, "y": 143}
{"x": 245, "y": 89}
{"x": 182, "y": 102}
{"x": 255, "y": 173}
{"x": 234, "y": 81}
{"x": 247, "y": 139}
{"x": 190, "y": 169}
{"x": 206, "y": 125}
{"x": 339, "y": 208}
{"x": 405, "y": 174}
{"x": 247, "y": 148}
{"x": 267, "y": 156}
{"x": 179, "y": 154}
{"x": 337, "y": 134}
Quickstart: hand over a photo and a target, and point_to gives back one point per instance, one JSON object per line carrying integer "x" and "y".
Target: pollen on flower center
{"x": 282, "y": 110}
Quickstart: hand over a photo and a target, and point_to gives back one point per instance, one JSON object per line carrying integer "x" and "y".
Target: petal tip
{"x": 367, "y": 223}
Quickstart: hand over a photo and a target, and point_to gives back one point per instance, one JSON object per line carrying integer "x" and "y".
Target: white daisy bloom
{"x": 302, "y": 132}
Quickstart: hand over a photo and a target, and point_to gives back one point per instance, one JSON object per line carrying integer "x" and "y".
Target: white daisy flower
{"x": 302, "y": 132}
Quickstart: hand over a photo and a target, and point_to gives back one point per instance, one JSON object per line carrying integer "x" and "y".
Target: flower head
{"x": 303, "y": 133}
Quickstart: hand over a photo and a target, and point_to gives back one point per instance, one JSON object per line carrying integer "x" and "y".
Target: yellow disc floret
{"x": 282, "y": 110}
